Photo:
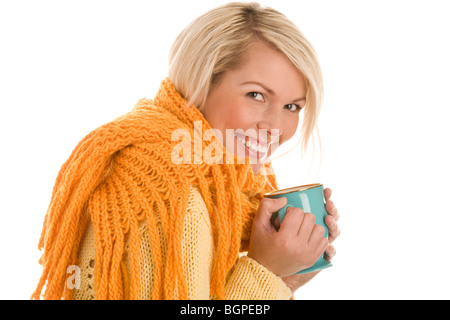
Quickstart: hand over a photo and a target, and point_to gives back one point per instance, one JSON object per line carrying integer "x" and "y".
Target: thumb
{"x": 267, "y": 207}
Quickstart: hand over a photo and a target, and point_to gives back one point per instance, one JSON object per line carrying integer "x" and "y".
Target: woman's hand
{"x": 297, "y": 244}
{"x": 331, "y": 222}
{"x": 295, "y": 281}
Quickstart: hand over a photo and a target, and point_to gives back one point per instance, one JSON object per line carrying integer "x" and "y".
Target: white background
{"x": 67, "y": 67}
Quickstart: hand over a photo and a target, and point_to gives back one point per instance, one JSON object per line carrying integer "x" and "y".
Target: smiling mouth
{"x": 254, "y": 148}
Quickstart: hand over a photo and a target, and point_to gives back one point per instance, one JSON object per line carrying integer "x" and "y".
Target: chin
{"x": 256, "y": 167}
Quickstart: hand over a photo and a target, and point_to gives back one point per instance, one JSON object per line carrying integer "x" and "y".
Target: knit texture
{"x": 247, "y": 279}
{"x": 122, "y": 173}
{"x": 251, "y": 281}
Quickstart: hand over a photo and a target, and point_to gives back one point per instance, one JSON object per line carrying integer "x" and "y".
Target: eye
{"x": 293, "y": 107}
{"x": 256, "y": 96}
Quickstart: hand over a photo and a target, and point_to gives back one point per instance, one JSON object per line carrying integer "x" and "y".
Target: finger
{"x": 292, "y": 221}
{"x": 316, "y": 235}
{"x": 330, "y": 252}
{"x": 267, "y": 207}
{"x": 275, "y": 221}
{"x": 327, "y": 193}
{"x": 307, "y": 227}
{"x": 333, "y": 228}
{"x": 323, "y": 245}
{"x": 332, "y": 210}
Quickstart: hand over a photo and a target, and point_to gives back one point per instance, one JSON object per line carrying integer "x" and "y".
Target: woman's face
{"x": 260, "y": 102}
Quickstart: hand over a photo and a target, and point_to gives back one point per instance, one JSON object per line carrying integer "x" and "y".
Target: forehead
{"x": 262, "y": 63}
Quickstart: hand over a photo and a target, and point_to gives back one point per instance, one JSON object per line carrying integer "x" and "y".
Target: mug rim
{"x": 293, "y": 189}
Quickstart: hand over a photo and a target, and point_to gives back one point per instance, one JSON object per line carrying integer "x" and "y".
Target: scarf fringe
{"x": 122, "y": 174}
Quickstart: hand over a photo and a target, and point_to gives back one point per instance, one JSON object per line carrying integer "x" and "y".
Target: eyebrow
{"x": 270, "y": 91}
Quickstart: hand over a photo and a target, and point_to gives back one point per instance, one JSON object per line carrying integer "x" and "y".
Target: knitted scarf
{"x": 122, "y": 174}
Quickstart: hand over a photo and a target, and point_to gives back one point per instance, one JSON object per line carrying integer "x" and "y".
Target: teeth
{"x": 253, "y": 147}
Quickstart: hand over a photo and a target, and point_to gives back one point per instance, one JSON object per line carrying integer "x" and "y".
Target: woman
{"x": 159, "y": 203}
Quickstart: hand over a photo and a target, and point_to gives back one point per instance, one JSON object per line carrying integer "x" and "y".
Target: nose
{"x": 271, "y": 122}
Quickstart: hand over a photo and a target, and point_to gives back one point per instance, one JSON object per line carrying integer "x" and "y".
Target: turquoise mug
{"x": 309, "y": 198}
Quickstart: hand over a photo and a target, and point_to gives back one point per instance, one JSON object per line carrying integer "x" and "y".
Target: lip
{"x": 248, "y": 152}
{"x": 254, "y": 140}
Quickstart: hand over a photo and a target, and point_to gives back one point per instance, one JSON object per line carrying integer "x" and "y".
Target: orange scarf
{"x": 121, "y": 174}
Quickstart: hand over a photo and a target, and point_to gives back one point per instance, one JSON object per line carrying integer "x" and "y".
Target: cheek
{"x": 290, "y": 126}
{"x": 237, "y": 115}
{"x": 217, "y": 111}
{"x": 243, "y": 118}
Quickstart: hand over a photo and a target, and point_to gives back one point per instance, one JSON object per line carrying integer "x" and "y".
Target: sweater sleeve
{"x": 247, "y": 279}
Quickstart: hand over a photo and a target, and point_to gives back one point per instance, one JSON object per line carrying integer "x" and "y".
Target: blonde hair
{"x": 214, "y": 43}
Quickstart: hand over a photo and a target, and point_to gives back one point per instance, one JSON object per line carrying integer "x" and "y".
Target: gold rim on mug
{"x": 293, "y": 189}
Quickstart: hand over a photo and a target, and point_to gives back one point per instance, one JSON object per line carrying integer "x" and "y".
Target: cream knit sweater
{"x": 247, "y": 280}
